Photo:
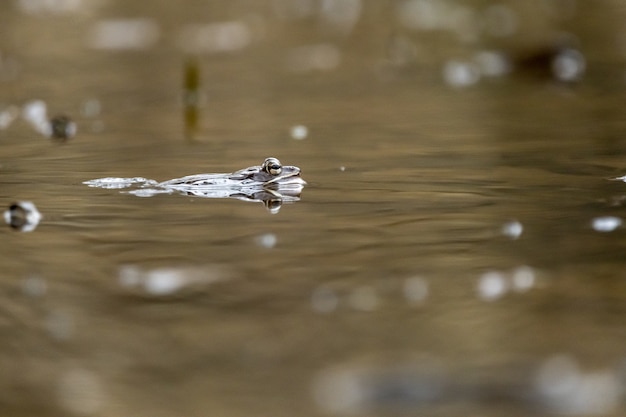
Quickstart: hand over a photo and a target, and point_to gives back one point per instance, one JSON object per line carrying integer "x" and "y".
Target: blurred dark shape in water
{"x": 562, "y": 62}
{"x": 62, "y": 128}
{"x": 554, "y": 385}
{"x": 365, "y": 388}
{"x": 191, "y": 97}
{"x": 22, "y": 216}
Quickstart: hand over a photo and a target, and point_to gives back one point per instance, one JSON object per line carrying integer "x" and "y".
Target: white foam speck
{"x": 491, "y": 286}
{"x": 461, "y": 73}
{"x": 267, "y": 240}
{"x": 606, "y": 223}
{"x": 512, "y": 229}
{"x": 299, "y": 132}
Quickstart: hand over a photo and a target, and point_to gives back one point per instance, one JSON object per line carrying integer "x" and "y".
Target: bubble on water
{"x": 34, "y": 286}
{"x": 512, "y": 229}
{"x": 23, "y": 216}
{"x": 492, "y": 286}
{"x": 568, "y": 65}
{"x": 324, "y": 300}
{"x": 267, "y": 240}
{"x": 461, "y": 73}
{"x": 299, "y": 132}
{"x": 342, "y": 168}
{"x": 35, "y": 112}
{"x": 164, "y": 281}
{"x": 161, "y": 282}
{"x": 606, "y": 223}
{"x": 415, "y": 290}
{"x": 523, "y": 278}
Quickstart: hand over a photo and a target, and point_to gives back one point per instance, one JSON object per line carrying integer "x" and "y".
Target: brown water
{"x": 443, "y": 259}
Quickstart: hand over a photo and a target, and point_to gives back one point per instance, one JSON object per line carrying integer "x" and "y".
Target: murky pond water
{"x": 458, "y": 249}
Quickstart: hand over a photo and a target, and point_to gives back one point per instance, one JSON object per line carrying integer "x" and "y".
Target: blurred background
{"x": 458, "y": 249}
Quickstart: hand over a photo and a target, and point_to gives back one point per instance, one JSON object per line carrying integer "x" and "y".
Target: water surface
{"x": 443, "y": 258}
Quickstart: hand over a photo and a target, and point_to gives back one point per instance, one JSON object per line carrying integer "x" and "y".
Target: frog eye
{"x": 272, "y": 166}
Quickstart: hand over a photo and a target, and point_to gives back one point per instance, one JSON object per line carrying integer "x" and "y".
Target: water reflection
{"x": 163, "y": 282}
{"x": 555, "y": 385}
{"x": 191, "y": 97}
